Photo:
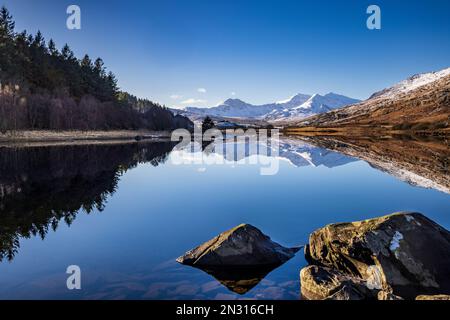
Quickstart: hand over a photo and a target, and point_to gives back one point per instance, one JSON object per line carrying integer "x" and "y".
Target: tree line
{"x": 42, "y": 87}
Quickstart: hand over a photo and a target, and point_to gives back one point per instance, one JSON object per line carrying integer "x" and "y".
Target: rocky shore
{"x": 399, "y": 256}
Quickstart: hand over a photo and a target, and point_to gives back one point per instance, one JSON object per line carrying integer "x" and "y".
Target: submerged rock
{"x": 242, "y": 246}
{"x": 404, "y": 254}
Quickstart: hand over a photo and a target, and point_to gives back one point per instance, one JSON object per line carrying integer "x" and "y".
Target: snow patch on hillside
{"x": 412, "y": 83}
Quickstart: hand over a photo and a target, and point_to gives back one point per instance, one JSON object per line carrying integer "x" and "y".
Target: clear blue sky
{"x": 262, "y": 51}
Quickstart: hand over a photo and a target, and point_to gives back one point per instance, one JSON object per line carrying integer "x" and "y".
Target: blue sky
{"x": 258, "y": 51}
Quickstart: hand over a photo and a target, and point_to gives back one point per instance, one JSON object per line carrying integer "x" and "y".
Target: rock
{"x": 322, "y": 283}
{"x": 404, "y": 253}
{"x": 386, "y": 295}
{"x": 435, "y": 297}
{"x": 347, "y": 293}
{"x": 242, "y": 246}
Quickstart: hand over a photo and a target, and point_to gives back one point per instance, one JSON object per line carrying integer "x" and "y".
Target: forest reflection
{"x": 42, "y": 187}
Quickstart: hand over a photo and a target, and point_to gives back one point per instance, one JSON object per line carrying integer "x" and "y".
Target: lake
{"x": 124, "y": 212}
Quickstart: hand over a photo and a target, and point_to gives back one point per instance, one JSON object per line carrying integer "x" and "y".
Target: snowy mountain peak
{"x": 332, "y": 95}
{"x": 411, "y": 83}
{"x": 235, "y": 103}
{"x": 297, "y": 99}
{"x": 314, "y": 105}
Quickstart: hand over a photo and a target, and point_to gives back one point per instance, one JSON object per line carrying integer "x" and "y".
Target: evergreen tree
{"x": 99, "y": 68}
{"x": 67, "y": 53}
{"x": 86, "y": 63}
{"x": 112, "y": 83}
{"x": 207, "y": 124}
{"x": 39, "y": 41}
{"x": 6, "y": 24}
{"x": 6, "y": 44}
{"x": 52, "y": 48}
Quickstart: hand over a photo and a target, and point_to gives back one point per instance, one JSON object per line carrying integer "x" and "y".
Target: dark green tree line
{"x": 42, "y": 87}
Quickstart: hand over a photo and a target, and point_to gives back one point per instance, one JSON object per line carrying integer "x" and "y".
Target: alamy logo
{"x": 374, "y": 20}
{"x": 74, "y": 20}
{"x": 74, "y": 280}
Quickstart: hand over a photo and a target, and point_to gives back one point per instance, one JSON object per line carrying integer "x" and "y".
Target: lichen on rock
{"x": 404, "y": 253}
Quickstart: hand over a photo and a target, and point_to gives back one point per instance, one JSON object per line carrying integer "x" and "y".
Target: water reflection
{"x": 295, "y": 151}
{"x": 239, "y": 280}
{"x": 419, "y": 161}
{"x": 42, "y": 186}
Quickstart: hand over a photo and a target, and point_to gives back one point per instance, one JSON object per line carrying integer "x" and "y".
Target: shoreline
{"x": 41, "y": 137}
{"x": 362, "y": 131}
{"x": 50, "y": 137}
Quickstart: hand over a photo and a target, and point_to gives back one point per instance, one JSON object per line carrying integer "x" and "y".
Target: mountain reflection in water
{"x": 419, "y": 161}
{"x": 295, "y": 151}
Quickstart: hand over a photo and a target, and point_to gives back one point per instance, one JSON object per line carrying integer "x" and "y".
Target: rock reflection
{"x": 239, "y": 280}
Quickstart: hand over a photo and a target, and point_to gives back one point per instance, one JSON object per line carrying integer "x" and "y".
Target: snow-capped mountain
{"x": 316, "y": 104}
{"x": 298, "y": 106}
{"x": 412, "y": 83}
{"x": 420, "y": 99}
{"x": 232, "y": 108}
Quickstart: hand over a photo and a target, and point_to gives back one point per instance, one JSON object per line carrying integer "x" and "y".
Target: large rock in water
{"x": 405, "y": 254}
{"x": 242, "y": 246}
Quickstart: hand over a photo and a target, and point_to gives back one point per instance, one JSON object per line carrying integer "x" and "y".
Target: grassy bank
{"x": 74, "y": 136}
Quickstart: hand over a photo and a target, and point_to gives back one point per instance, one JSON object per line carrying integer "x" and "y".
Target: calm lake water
{"x": 125, "y": 212}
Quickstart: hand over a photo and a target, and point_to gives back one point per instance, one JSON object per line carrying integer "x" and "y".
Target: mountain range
{"x": 421, "y": 102}
{"x": 296, "y": 107}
